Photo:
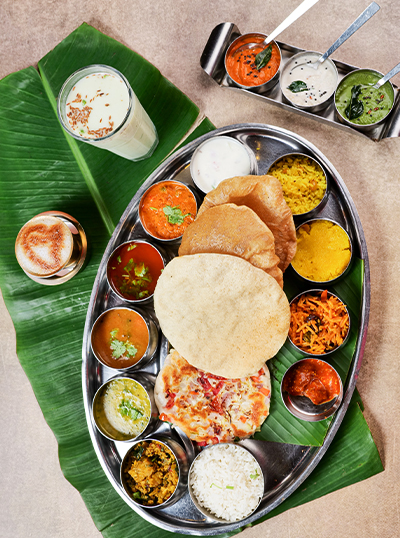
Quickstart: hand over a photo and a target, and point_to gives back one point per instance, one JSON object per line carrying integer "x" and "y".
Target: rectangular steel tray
{"x": 212, "y": 61}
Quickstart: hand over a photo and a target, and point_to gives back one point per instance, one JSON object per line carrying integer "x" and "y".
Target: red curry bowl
{"x": 133, "y": 270}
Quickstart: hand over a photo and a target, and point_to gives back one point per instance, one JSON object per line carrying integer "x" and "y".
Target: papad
{"x": 221, "y": 313}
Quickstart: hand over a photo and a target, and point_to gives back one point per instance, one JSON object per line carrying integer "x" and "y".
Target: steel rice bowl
{"x": 180, "y": 459}
{"x": 313, "y": 211}
{"x": 219, "y": 486}
{"x": 330, "y": 294}
{"x": 101, "y": 421}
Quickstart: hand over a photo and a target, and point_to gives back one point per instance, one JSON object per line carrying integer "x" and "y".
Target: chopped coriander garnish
{"x": 135, "y": 279}
{"x": 131, "y": 247}
{"x": 174, "y": 214}
{"x": 119, "y": 259}
{"x": 83, "y": 102}
{"x": 255, "y": 475}
{"x": 120, "y": 348}
{"x": 114, "y": 333}
{"x": 126, "y": 409}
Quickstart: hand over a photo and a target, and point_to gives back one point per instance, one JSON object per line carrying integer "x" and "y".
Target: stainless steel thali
{"x": 285, "y": 466}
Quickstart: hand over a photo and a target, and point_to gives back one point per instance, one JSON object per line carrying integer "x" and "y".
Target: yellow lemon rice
{"x": 303, "y": 182}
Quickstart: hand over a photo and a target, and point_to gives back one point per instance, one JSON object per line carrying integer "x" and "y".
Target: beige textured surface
{"x": 35, "y": 499}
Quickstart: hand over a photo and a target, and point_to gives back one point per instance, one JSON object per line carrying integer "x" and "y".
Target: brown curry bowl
{"x": 100, "y": 341}
{"x": 179, "y": 458}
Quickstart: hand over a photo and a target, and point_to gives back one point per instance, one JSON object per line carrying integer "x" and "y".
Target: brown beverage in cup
{"x": 44, "y": 246}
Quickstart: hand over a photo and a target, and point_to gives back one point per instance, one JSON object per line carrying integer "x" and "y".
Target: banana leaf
{"x": 280, "y": 425}
{"x": 42, "y": 169}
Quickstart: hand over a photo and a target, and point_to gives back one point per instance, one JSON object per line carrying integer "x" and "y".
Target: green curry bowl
{"x": 124, "y": 409}
{"x": 359, "y": 104}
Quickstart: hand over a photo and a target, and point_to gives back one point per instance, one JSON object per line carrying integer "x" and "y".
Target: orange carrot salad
{"x": 318, "y": 323}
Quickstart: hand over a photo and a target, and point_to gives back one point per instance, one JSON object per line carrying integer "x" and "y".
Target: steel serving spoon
{"x": 388, "y": 76}
{"x": 362, "y": 19}
{"x": 296, "y": 14}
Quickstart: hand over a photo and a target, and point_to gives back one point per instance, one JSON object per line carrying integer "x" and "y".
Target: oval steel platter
{"x": 285, "y": 466}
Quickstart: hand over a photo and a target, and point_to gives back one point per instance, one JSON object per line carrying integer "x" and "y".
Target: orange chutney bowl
{"x": 241, "y": 67}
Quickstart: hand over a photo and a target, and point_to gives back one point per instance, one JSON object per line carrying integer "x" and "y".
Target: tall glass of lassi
{"x": 97, "y": 105}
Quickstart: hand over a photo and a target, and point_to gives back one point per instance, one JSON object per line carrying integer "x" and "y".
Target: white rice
{"x": 227, "y": 481}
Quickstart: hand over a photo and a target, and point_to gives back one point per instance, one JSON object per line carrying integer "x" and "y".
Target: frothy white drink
{"x": 99, "y": 107}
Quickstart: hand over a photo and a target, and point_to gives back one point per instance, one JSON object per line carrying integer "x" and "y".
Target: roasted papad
{"x": 208, "y": 408}
{"x": 234, "y": 230}
{"x": 221, "y": 313}
{"x": 262, "y": 194}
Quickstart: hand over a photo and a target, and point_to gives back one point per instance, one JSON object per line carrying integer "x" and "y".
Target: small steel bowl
{"x": 183, "y": 468}
{"x": 102, "y": 423}
{"x": 152, "y": 338}
{"x": 120, "y": 247}
{"x": 369, "y": 126}
{"x": 234, "y": 147}
{"x": 302, "y": 407}
{"x": 204, "y": 510}
{"x": 254, "y": 37}
{"x": 330, "y": 294}
{"x": 297, "y": 59}
{"x": 338, "y": 277}
{"x": 315, "y": 210}
{"x": 142, "y": 221}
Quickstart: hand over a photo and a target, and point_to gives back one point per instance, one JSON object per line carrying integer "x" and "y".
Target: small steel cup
{"x": 183, "y": 469}
{"x": 252, "y": 161}
{"x": 333, "y": 280}
{"x": 297, "y": 58}
{"x": 110, "y": 282}
{"x": 201, "y": 508}
{"x": 302, "y": 407}
{"x": 330, "y": 294}
{"x": 239, "y": 42}
{"x": 101, "y": 421}
{"x": 315, "y": 210}
{"x": 369, "y": 126}
{"x": 152, "y": 338}
{"x": 142, "y": 222}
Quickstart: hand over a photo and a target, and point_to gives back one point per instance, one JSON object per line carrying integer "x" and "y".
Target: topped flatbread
{"x": 234, "y": 230}
{"x": 264, "y": 195}
{"x": 211, "y": 409}
{"x": 221, "y": 313}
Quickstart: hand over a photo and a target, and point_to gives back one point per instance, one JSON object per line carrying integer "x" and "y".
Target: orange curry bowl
{"x": 166, "y": 209}
{"x": 245, "y": 71}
